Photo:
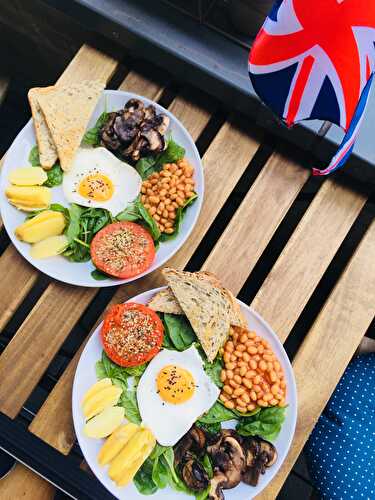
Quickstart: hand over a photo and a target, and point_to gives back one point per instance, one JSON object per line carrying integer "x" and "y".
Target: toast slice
{"x": 165, "y": 302}
{"x": 207, "y": 306}
{"x": 67, "y": 111}
{"x": 46, "y": 146}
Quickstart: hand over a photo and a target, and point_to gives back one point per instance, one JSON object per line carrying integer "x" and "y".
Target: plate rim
{"x": 111, "y": 281}
{"x": 292, "y": 390}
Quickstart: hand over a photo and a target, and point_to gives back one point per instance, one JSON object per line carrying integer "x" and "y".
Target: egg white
{"x": 169, "y": 422}
{"x": 126, "y": 181}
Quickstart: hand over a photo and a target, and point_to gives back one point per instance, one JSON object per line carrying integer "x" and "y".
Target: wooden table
{"x": 254, "y": 236}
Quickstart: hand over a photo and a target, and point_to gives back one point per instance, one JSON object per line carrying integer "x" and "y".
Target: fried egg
{"x": 99, "y": 179}
{"x": 173, "y": 392}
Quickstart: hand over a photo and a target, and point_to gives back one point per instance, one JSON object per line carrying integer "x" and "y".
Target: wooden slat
{"x": 19, "y": 275}
{"x": 22, "y": 483}
{"x": 329, "y": 346}
{"x": 30, "y": 351}
{"x": 256, "y": 220}
{"x": 307, "y": 255}
{"x": 54, "y": 423}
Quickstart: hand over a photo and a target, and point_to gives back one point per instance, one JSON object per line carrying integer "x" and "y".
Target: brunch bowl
{"x": 85, "y": 377}
{"x": 79, "y": 272}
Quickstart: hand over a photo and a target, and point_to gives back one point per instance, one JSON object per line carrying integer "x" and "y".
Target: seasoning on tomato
{"x": 131, "y": 334}
{"x": 123, "y": 249}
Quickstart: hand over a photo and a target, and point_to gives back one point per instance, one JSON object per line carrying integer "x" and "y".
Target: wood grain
{"x": 256, "y": 220}
{"x": 59, "y": 431}
{"x": 306, "y": 256}
{"x": 19, "y": 275}
{"x": 22, "y": 483}
{"x": 329, "y": 347}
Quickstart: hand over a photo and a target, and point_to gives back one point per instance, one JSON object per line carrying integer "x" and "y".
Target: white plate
{"x": 85, "y": 377}
{"x": 79, "y": 273}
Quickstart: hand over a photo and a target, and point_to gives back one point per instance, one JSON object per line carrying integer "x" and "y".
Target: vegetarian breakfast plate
{"x": 168, "y": 422}
{"x": 81, "y": 211}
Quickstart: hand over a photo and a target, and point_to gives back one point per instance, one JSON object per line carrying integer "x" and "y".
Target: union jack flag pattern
{"x": 316, "y": 60}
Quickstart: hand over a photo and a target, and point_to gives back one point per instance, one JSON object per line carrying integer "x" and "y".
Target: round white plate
{"x": 79, "y": 273}
{"x": 85, "y": 377}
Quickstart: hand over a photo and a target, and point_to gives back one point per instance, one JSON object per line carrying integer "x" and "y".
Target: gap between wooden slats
{"x": 18, "y": 275}
{"x": 329, "y": 347}
{"x": 231, "y": 146}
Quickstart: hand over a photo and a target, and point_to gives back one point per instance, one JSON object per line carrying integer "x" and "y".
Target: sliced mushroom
{"x": 229, "y": 462}
{"x": 269, "y": 449}
{"x": 194, "y": 475}
{"x": 126, "y": 130}
{"x": 193, "y": 443}
{"x": 259, "y": 454}
{"x": 150, "y": 113}
{"x": 156, "y": 142}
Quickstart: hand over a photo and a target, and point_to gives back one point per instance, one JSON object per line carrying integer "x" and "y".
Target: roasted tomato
{"x": 123, "y": 249}
{"x": 131, "y": 334}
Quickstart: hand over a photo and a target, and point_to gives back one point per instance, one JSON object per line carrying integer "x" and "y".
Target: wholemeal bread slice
{"x": 206, "y": 304}
{"x": 46, "y": 146}
{"x": 67, "y": 111}
{"x": 165, "y": 302}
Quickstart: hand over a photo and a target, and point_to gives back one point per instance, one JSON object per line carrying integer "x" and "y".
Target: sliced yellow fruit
{"x": 115, "y": 443}
{"x": 105, "y": 423}
{"x": 28, "y": 176}
{"x": 138, "y": 447}
{"x": 50, "y": 247}
{"x": 98, "y": 386}
{"x": 29, "y": 197}
{"x": 40, "y": 227}
{"x": 128, "y": 474}
{"x": 108, "y": 396}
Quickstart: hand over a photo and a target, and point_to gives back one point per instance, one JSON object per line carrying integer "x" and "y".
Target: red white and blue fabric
{"x": 316, "y": 60}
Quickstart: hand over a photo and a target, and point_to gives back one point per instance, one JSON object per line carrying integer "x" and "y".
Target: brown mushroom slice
{"x": 155, "y": 141}
{"x": 162, "y": 124}
{"x": 216, "y": 492}
{"x": 269, "y": 449}
{"x": 150, "y": 113}
{"x": 194, "y": 475}
{"x": 126, "y": 130}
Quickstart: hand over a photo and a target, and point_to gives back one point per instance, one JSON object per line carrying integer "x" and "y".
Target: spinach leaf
{"x": 213, "y": 370}
{"x": 202, "y": 495}
{"x": 145, "y": 166}
{"x": 34, "y": 156}
{"x": 180, "y": 214}
{"x": 98, "y": 275}
{"x": 73, "y": 228}
{"x": 112, "y": 370}
{"x": 179, "y": 331}
{"x": 160, "y": 473}
{"x": 206, "y": 462}
{"x": 129, "y": 402}
{"x": 100, "y": 370}
{"x": 55, "y": 176}
{"x": 171, "y": 154}
{"x": 130, "y": 213}
{"x": 92, "y": 136}
{"x": 266, "y": 423}
{"x": 217, "y": 413}
{"x": 211, "y": 428}
{"x": 148, "y": 220}
{"x": 143, "y": 478}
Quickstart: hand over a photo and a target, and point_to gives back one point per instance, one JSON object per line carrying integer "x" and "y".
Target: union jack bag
{"x": 316, "y": 60}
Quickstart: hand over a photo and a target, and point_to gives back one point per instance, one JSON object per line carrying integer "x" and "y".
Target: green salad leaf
{"x": 54, "y": 174}
{"x": 213, "y": 370}
{"x": 128, "y": 401}
{"x": 143, "y": 478}
{"x": 99, "y": 275}
{"x": 266, "y": 423}
{"x": 216, "y": 414}
{"x": 34, "y": 156}
{"x": 178, "y": 331}
{"x": 92, "y": 136}
{"x": 136, "y": 211}
{"x": 211, "y": 428}
{"x": 180, "y": 214}
{"x": 150, "y": 164}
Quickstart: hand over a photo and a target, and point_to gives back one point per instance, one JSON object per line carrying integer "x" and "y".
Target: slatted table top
{"x": 252, "y": 233}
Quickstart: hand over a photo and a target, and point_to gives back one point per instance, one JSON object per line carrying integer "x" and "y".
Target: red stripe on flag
{"x": 299, "y": 88}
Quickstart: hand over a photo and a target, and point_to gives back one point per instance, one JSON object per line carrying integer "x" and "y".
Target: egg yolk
{"x": 175, "y": 385}
{"x": 96, "y": 187}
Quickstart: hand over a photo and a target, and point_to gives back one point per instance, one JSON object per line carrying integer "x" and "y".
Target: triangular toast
{"x": 46, "y": 146}
{"x": 67, "y": 111}
{"x": 207, "y": 305}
